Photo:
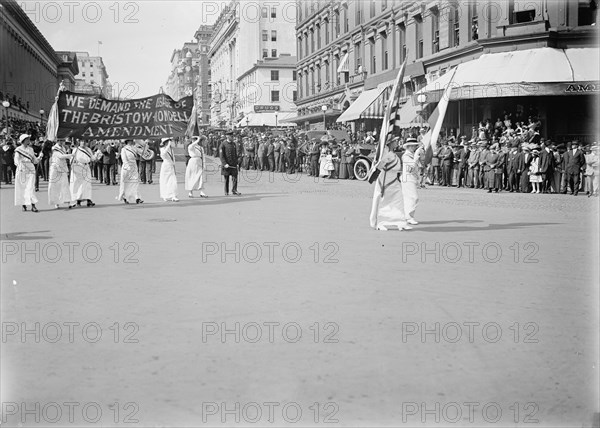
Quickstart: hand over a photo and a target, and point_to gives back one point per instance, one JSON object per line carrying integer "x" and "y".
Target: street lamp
{"x": 42, "y": 117}
{"x": 247, "y": 121}
{"x": 324, "y": 109}
{"x": 6, "y": 105}
{"x": 422, "y": 99}
{"x": 276, "y": 124}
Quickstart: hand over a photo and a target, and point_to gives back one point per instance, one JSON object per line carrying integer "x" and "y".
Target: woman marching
{"x": 388, "y": 203}
{"x": 81, "y": 175}
{"x": 194, "y": 172}
{"x": 130, "y": 179}
{"x": 410, "y": 179}
{"x": 25, "y": 161}
{"x": 168, "y": 179}
{"x": 58, "y": 186}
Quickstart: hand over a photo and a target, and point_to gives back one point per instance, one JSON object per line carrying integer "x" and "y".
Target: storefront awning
{"x": 409, "y": 115}
{"x": 343, "y": 67}
{"x": 267, "y": 119}
{"x": 531, "y": 72}
{"x": 365, "y": 107}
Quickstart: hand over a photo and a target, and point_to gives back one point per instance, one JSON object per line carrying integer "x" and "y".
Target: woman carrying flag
{"x": 130, "y": 179}
{"x": 194, "y": 172}
{"x": 58, "y": 186}
{"x": 168, "y": 179}
{"x": 25, "y": 161}
{"x": 387, "y": 209}
{"x": 81, "y": 175}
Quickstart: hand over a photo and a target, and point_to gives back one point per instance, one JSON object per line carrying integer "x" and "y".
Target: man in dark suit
{"x": 574, "y": 162}
{"x": 523, "y": 166}
{"x": 229, "y": 161}
{"x": 463, "y": 158}
{"x": 546, "y": 167}
{"x": 314, "y": 157}
{"x": 109, "y": 162}
{"x": 447, "y": 159}
{"x": 514, "y": 173}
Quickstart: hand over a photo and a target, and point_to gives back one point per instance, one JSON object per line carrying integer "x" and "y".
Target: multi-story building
{"x": 184, "y": 71}
{"x": 267, "y": 92}
{"x": 349, "y": 53}
{"x": 244, "y": 34}
{"x": 203, "y": 89}
{"x": 92, "y": 77}
{"x": 30, "y": 69}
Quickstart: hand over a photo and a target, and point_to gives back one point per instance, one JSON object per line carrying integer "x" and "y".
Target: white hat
{"x": 195, "y": 139}
{"x": 23, "y": 137}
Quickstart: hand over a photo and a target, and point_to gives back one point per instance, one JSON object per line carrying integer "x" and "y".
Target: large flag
{"x": 390, "y": 124}
{"x": 192, "y": 127}
{"x": 435, "y": 122}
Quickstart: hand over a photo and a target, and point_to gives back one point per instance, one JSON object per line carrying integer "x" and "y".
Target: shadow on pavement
{"x": 490, "y": 227}
{"x": 18, "y": 236}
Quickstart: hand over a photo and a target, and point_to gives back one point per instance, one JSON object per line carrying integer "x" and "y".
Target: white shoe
{"x": 203, "y": 195}
{"x": 382, "y": 227}
{"x": 175, "y": 200}
{"x": 190, "y": 195}
{"x": 405, "y": 227}
{"x": 533, "y": 191}
{"x": 412, "y": 221}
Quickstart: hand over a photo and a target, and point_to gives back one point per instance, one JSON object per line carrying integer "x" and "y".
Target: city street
{"x": 283, "y": 307}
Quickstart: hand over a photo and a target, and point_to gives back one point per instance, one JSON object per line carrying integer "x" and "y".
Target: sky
{"x": 138, "y": 37}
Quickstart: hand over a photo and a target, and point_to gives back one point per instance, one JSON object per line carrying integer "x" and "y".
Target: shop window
{"x": 587, "y": 12}
{"x": 524, "y": 16}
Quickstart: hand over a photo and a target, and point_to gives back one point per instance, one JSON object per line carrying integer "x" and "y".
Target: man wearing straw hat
{"x": 410, "y": 179}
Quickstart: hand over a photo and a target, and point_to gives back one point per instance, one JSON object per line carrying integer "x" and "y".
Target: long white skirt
{"x": 25, "y": 185}
{"x": 129, "y": 187}
{"x": 58, "y": 186}
{"x": 81, "y": 182}
{"x": 411, "y": 198}
{"x": 194, "y": 175}
{"x": 389, "y": 209}
{"x": 168, "y": 181}
{"x": 323, "y": 171}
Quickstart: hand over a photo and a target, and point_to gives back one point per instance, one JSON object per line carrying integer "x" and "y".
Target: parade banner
{"x": 96, "y": 118}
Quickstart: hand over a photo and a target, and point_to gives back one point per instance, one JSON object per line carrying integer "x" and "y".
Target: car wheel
{"x": 361, "y": 169}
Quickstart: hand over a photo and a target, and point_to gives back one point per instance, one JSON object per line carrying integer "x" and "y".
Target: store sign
{"x": 581, "y": 88}
{"x": 259, "y": 108}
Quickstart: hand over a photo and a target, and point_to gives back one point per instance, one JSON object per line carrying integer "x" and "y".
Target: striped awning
{"x": 368, "y": 105}
{"x": 343, "y": 67}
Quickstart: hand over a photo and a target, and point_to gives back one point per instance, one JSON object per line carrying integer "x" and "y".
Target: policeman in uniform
{"x": 229, "y": 159}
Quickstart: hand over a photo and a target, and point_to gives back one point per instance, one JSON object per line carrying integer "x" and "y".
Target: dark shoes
{"x": 237, "y": 193}
{"x": 139, "y": 201}
{"x": 90, "y": 203}
{"x": 33, "y": 208}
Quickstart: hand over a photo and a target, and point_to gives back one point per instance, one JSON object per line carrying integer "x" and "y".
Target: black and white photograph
{"x": 299, "y": 213}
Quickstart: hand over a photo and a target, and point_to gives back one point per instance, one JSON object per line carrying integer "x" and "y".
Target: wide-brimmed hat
{"x": 410, "y": 141}
{"x": 23, "y": 137}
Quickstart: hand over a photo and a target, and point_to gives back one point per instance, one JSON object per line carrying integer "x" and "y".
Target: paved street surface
{"x": 282, "y": 307}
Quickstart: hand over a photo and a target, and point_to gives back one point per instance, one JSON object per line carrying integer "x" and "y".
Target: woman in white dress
{"x": 388, "y": 203}
{"x": 194, "y": 172}
{"x": 168, "y": 179}
{"x": 130, "y": 178}
{"x": 58, "y": 186}
{"x": 534, "y": 172}
{"x": 25, "y": 161}
{"x": 81, "y": 175}
{"x": 323, "y": 171}
{"x": 410, "y": 179}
